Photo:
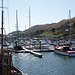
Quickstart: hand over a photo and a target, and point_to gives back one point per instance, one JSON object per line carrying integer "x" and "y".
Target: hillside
{"x": 51, "y": 30}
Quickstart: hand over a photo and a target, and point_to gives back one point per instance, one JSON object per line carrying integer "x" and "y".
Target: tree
{"x": 53, "y": 30}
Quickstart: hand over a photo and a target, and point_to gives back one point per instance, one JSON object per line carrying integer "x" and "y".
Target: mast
{"x": 2, "y": 31}
{"x": 17, "y": 26}
{"x": 25, "y": 30}
{"x": 29, "y": 25}
{"x": 70, "y": 25}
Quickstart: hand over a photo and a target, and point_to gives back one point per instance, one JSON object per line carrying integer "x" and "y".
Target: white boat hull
{"x": 64, "y": 53}
{"x": 29, "y": 47}
{"x": 45, "y": 46}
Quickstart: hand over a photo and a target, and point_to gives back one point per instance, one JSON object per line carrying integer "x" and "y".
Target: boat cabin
{"x": 66, "y": 48}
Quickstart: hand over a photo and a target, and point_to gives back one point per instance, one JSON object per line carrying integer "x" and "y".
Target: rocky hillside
{"x": 51, "y": 30}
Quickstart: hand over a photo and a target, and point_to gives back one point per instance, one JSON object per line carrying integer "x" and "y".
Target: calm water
{"x": 49, "y": 64}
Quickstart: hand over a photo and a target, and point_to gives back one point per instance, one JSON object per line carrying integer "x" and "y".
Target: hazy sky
{"x": 42, "y": 12}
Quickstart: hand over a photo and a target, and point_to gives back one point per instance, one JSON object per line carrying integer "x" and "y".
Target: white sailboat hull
{"x": 64, "y": 53}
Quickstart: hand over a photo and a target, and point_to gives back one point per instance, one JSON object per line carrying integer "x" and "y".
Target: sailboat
{"x": 65, "y": 49}
{"x": 17, "y": 46}
{"x": 6, "y": 67}
{"x": 29, "y": 45}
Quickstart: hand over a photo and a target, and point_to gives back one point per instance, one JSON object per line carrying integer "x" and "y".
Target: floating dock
{"x": 26, "y": 51}
{"x": 34, "y": 53}
{"x": 20, "y": 51}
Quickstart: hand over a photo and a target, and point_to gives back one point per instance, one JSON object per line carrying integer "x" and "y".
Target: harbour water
{"x": 49, "y": 64}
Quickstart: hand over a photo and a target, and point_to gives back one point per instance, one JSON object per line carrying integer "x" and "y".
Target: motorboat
{"x": 42, "y": 46}
{"x": 45, "y": 46}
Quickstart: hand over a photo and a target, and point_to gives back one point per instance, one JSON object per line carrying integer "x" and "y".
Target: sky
{"x": 41, "y": 12}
